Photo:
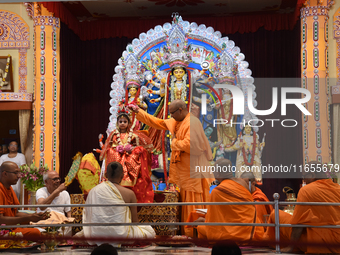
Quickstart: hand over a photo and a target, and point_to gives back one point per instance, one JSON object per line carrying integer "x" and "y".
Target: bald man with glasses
{"x": 9, "y": 175}
{"x": 53, "y": 193}
{"x": 189, "y": 148}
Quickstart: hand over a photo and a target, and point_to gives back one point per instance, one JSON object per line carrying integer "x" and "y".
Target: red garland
{"x": 166, "y": 109}
{"x": 189, "y": 93}
{"x": 253, "y": 152}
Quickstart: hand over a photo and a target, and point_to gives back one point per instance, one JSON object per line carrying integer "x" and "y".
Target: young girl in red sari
{"x": 132, "y": 150}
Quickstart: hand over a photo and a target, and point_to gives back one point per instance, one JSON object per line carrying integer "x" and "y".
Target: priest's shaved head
{"x": 313, "y": 171}
{"x": 7, "y": 166}
{"x": 223, "y": 169}
{"x": 178, "y": 109}
{"x": 248, "y": 175}
{"x": 114, "y": 171}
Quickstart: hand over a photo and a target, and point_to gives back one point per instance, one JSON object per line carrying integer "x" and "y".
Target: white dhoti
{"x": 107, "y": 193}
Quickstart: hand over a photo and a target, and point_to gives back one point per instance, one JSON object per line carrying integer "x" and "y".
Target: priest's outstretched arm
{"x": 150, "y": 120}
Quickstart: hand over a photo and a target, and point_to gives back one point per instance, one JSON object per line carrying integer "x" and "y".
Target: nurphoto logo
{"x": 239, "y": 99}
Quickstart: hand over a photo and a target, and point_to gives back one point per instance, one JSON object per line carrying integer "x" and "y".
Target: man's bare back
{"x": 129, "y": 197}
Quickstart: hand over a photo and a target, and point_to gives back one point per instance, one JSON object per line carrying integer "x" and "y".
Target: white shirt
{"x": 19, "y": 159}
{"x": 63, "y": 198}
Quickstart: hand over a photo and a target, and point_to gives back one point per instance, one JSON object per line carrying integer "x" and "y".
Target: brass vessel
{"x": 290, "y": 197}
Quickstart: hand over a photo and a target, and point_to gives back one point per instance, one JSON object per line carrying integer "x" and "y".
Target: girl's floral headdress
{"x": 122, "y": 110}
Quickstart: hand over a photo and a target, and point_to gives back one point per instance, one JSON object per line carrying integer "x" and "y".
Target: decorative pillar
{"x": 315, "y": 78}
{"x": 46, "y": 86}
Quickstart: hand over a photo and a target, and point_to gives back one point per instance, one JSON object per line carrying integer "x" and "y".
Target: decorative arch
{"x": 14, "y": 31}
{"x": 14, "y": 34}
{"x": 225, "y": 56}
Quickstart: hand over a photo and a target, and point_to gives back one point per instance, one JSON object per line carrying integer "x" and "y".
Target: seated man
{"x": 54, "y": 193}
{"x": 318, "y": 189}
{"x": 110, "y": 192}
{"x": 9, "y": 175}
{"x": 230, "y": 190}
{"x": 258, "y": 196}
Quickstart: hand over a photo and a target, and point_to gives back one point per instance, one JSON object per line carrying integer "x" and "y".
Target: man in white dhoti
{"x": 110, "y": 192}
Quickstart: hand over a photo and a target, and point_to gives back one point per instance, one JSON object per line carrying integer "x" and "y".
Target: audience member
{"x": 104, "y": 249}
{"x": 16, "y": 157}
{"x": 226, "y": 248}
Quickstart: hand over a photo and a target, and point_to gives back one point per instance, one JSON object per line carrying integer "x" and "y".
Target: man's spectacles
{"x": 16, "y": 172}
{"x": 55, "y": 179}
{"x": 175, "y": 111}
{"x": 13, "y": 145}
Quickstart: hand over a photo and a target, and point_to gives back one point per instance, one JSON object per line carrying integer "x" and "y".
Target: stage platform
{"x": 151, "y": 250}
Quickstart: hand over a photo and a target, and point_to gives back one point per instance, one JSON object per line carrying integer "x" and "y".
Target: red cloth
{"x": 135, "y": 164}
{"x": 131, "y": 28}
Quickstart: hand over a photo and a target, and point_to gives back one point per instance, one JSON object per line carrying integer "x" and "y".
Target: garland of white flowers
{"x": 183, "y": 87}
{"x": 6, "y": 71}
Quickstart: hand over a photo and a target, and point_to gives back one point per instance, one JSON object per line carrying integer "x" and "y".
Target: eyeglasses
{"x": 174, "y": 111}
{"x": 13, "y": 145}
{"x": 55, "y": 179}
{"x": 16, "y": 172}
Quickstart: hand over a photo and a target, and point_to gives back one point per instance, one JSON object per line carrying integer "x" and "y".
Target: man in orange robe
{"x": 318, "y": 189}
{"x": 230, "y": 190}
{"x": 9, "y": 175}
{"x": 258, "y": 196}
{"x": 190, "y": 149}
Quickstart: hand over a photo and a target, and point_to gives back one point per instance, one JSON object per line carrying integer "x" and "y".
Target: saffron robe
{"x": 261, "y": 210}
{"x": 8, "y": 197}
{"x": 107, "y": 193}
{"x": 318, "y": 191}
{"x": 190, "y": 148}
{"x": 231, "y": 191}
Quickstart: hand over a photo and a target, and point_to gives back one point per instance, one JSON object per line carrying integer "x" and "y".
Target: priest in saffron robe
{"x": 190, "y": 148}
{"x": 318, "y": 189}
{"x": 230, "y": 189}
{"x": 9, "y": 175}
{"x": 259, "y": 196}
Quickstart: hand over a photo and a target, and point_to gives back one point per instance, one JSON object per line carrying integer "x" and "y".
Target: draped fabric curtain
{"x": 29, "y": 141}
{"x": 86, "y": 74}
{"x": 132, "y": 27}
{"x": 24, "y": 119}
{"x": 336, "y": 136}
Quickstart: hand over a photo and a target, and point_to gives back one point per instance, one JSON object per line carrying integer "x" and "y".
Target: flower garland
{"x": 120, "y": 146}
{"x": 174, "y": 86}
{"x": 4, "y": 75}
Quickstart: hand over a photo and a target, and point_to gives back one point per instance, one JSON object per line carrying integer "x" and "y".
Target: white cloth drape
{"x": 107, "y": 193}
